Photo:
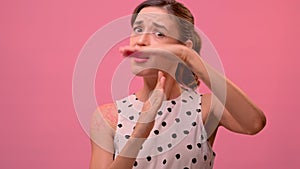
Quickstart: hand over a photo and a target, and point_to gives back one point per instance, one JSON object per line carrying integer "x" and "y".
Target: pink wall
{"x": 40, "y": 40}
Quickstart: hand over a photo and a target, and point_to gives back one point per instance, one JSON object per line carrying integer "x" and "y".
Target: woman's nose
{"x": 144, "y": 39}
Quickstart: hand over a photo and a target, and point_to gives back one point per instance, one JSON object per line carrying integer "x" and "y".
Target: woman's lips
{"x": 139, "y": 59}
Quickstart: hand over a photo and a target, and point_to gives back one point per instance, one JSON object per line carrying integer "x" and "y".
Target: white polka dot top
{"x": 178, "y": 139}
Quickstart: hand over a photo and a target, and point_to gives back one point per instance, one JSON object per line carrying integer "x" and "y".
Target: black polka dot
{"x": 194, "y": 160}
{"x": 199, "y": 145}
{"x": 205, "y": 157}
{"x": 177, "y": 156}
{"x": 186, "y": 132}
{"x": 124, "y": 101}
{"x": 214, "y": 154}
{"x": 165, "y": 161}
{"x": 160, "y": 113}
{"x": 201, "y": 94}
{"x": 198, "y": 110}
{"x": 191, "y": 97}
{"x": 174, "y": 135}
{"x": 135, "y": 163}
{"x": 136, "y": 99}
{"x": 149, "y": 158}
{"x": 200, "y": 104}
{"x": 177, "y": 120}
{"x": 194, "y": 123}
{"x": 141, "y": 147}
{"x": 169, "y": 109}
{"x": 119, "y": 111}
{"x": 131, "y": 117}
{"x": 209, "y": 163}
{"x": 140, "y": 113}
{"x": 160, "y": 149}
{"x": 186, "y": 168}
{"x": 127, "y": 136}
{"x": 173, "y": 102}
{"x": 156, "y": 132}
{"x": 202, "y": 137}
{"x": 189, "y": 146}
{"x": 169, "y": 145}
{"x": 164, "y": 124}
{"x": 184, "y": 101}
{"x": 130, "y": 105}
{"x": 188, "y": 113}
{"x": 133, "y": 128}
{"x": 120, "y": 125}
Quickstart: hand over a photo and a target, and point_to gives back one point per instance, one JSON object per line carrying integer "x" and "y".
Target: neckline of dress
{"x": 184, "y": 91}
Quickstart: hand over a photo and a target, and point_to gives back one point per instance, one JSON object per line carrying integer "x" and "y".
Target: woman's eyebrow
{"x": 154, "y": 24}
{"x": 138, "y": 22}
{"x": 159, "y": 26}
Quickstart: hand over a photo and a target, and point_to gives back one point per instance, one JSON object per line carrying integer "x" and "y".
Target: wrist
{"x": 142, "y": 130}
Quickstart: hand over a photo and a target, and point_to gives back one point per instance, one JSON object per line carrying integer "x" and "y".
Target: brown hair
{"x": 185, "y": 19}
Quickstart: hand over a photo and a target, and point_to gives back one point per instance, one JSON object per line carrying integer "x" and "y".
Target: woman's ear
{"x": 189, "y": 44}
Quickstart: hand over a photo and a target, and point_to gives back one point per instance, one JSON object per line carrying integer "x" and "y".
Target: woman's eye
{"x": 138, "y": 30}
{"x": 159, "y": 34}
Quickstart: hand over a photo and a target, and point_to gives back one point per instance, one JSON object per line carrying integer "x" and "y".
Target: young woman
{"x": 162, "y": 124}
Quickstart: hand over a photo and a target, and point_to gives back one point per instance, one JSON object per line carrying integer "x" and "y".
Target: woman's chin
{"x": 145, "y": 72}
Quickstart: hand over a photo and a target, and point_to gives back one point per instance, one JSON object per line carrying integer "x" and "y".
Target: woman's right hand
{"x": 146, "y": 119}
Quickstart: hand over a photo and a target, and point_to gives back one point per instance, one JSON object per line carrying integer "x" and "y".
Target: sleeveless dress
{"x": 178, "y": 139}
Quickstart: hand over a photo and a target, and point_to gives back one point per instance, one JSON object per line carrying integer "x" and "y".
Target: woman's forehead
{"x": 156, "y": 15}
{"x": 154, "y": 9}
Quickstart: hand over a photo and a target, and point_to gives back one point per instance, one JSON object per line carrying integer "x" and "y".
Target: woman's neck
{"x": 172, "y": 90}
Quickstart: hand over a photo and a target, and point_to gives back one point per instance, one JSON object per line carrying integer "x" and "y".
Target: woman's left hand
{"x": 191, "y": 58}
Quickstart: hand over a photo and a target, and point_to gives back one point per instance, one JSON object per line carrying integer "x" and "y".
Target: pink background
{"x": 257, "y": 40}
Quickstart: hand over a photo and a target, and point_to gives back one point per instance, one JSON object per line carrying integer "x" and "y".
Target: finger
{"x": 151, "y": 106}
{"x": 157, "y": 95}
{"x": 154, "y": 102}
{"x": 128, "y": 50}
{"x": 160, "y": 80}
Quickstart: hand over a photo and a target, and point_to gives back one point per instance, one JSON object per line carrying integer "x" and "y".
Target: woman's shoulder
{"x": 109, "y": 113}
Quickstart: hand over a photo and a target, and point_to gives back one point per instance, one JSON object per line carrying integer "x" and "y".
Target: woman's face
{"x": 152, "y": 27}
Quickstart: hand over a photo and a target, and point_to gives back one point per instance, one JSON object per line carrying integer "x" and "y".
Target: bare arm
{"x": 240, "y": 113}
